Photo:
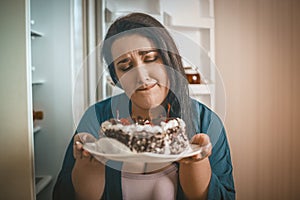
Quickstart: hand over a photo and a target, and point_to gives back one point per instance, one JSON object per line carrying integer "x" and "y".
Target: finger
{"x": 77, "y": 149}
{"x": 86, "y": 137}
{"x": 196, "y": 158}
{"x": 80, "y": 152}
{"x": 79, "y": 140}
{"x": 86, "y": 153}
{"x": 201, "y": 139}
{"x": 206, "y": 152}
{"x": 78, "y": 145}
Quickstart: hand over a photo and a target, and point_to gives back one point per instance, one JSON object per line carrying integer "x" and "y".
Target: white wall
{"x": 51, "y": 56}
{"x": 16, "y": 152}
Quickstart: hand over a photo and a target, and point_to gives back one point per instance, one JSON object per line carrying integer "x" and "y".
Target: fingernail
{"x": 77, "y": 142}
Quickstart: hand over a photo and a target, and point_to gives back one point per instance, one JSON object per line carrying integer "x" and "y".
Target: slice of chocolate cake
{"x": 166, "y": 137}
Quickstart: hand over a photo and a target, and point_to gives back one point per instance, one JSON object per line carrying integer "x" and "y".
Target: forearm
{"x": 88, "y": 183}
{"x": 194, "y": 178}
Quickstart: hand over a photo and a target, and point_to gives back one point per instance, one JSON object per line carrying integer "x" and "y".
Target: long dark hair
{"x": 147, "y": 26}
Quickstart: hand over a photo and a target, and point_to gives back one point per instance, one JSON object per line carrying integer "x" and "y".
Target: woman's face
{"x": 140, "y": 70}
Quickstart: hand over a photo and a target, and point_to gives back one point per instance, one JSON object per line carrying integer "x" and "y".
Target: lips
{"x": 146, "y": 87}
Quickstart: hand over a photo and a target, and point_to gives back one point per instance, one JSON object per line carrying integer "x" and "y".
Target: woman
{"x": 143, "y": 60}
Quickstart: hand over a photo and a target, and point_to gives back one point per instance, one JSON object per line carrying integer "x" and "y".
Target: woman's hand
{"x": 202, "y": 140}
{"x": 88, "y": 175}
{"x": 195, "y": 171}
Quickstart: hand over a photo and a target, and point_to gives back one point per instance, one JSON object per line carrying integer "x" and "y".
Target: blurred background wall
{"x": 258, "y": 55}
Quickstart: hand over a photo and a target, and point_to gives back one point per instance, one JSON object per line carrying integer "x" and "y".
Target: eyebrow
{"x": 142, "y": 52}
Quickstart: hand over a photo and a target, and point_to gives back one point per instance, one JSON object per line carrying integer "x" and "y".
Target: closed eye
{"x": 151, "y": 57}
{"x": 125, "y": 67}
{"x": 124, "y": 64}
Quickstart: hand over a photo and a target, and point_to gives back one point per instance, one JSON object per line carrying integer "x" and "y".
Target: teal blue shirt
{"x": 221, "y": 184}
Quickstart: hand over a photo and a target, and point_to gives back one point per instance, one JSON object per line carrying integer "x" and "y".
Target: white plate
{"x": 111, "y": 149}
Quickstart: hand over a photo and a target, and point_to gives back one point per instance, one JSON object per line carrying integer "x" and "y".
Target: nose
{"x": 142, "y": 75}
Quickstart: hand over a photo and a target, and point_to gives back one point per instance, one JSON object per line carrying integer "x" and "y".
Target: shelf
{"x": 111, "y": 16}
{"x": 41, "y": 182}
{"x": 200, "y": 23}
{"x": 199, "y": 89}
{"x": 39, "y": 82}
{"x": 36, "y": 129}
{"x": 117, "y": 8}
{"x": 146, "y": 6}
{"x": 35, "y": 33}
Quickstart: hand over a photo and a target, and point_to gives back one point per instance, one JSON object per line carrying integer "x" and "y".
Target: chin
{"x": 146, "y": 103}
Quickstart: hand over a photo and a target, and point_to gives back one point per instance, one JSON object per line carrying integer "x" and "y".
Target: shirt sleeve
{"x": 221, "y": 184}
{"x": 63, "y": 188}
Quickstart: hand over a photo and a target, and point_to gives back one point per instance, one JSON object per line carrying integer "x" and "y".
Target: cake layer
{"x": 167, "y": 138}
